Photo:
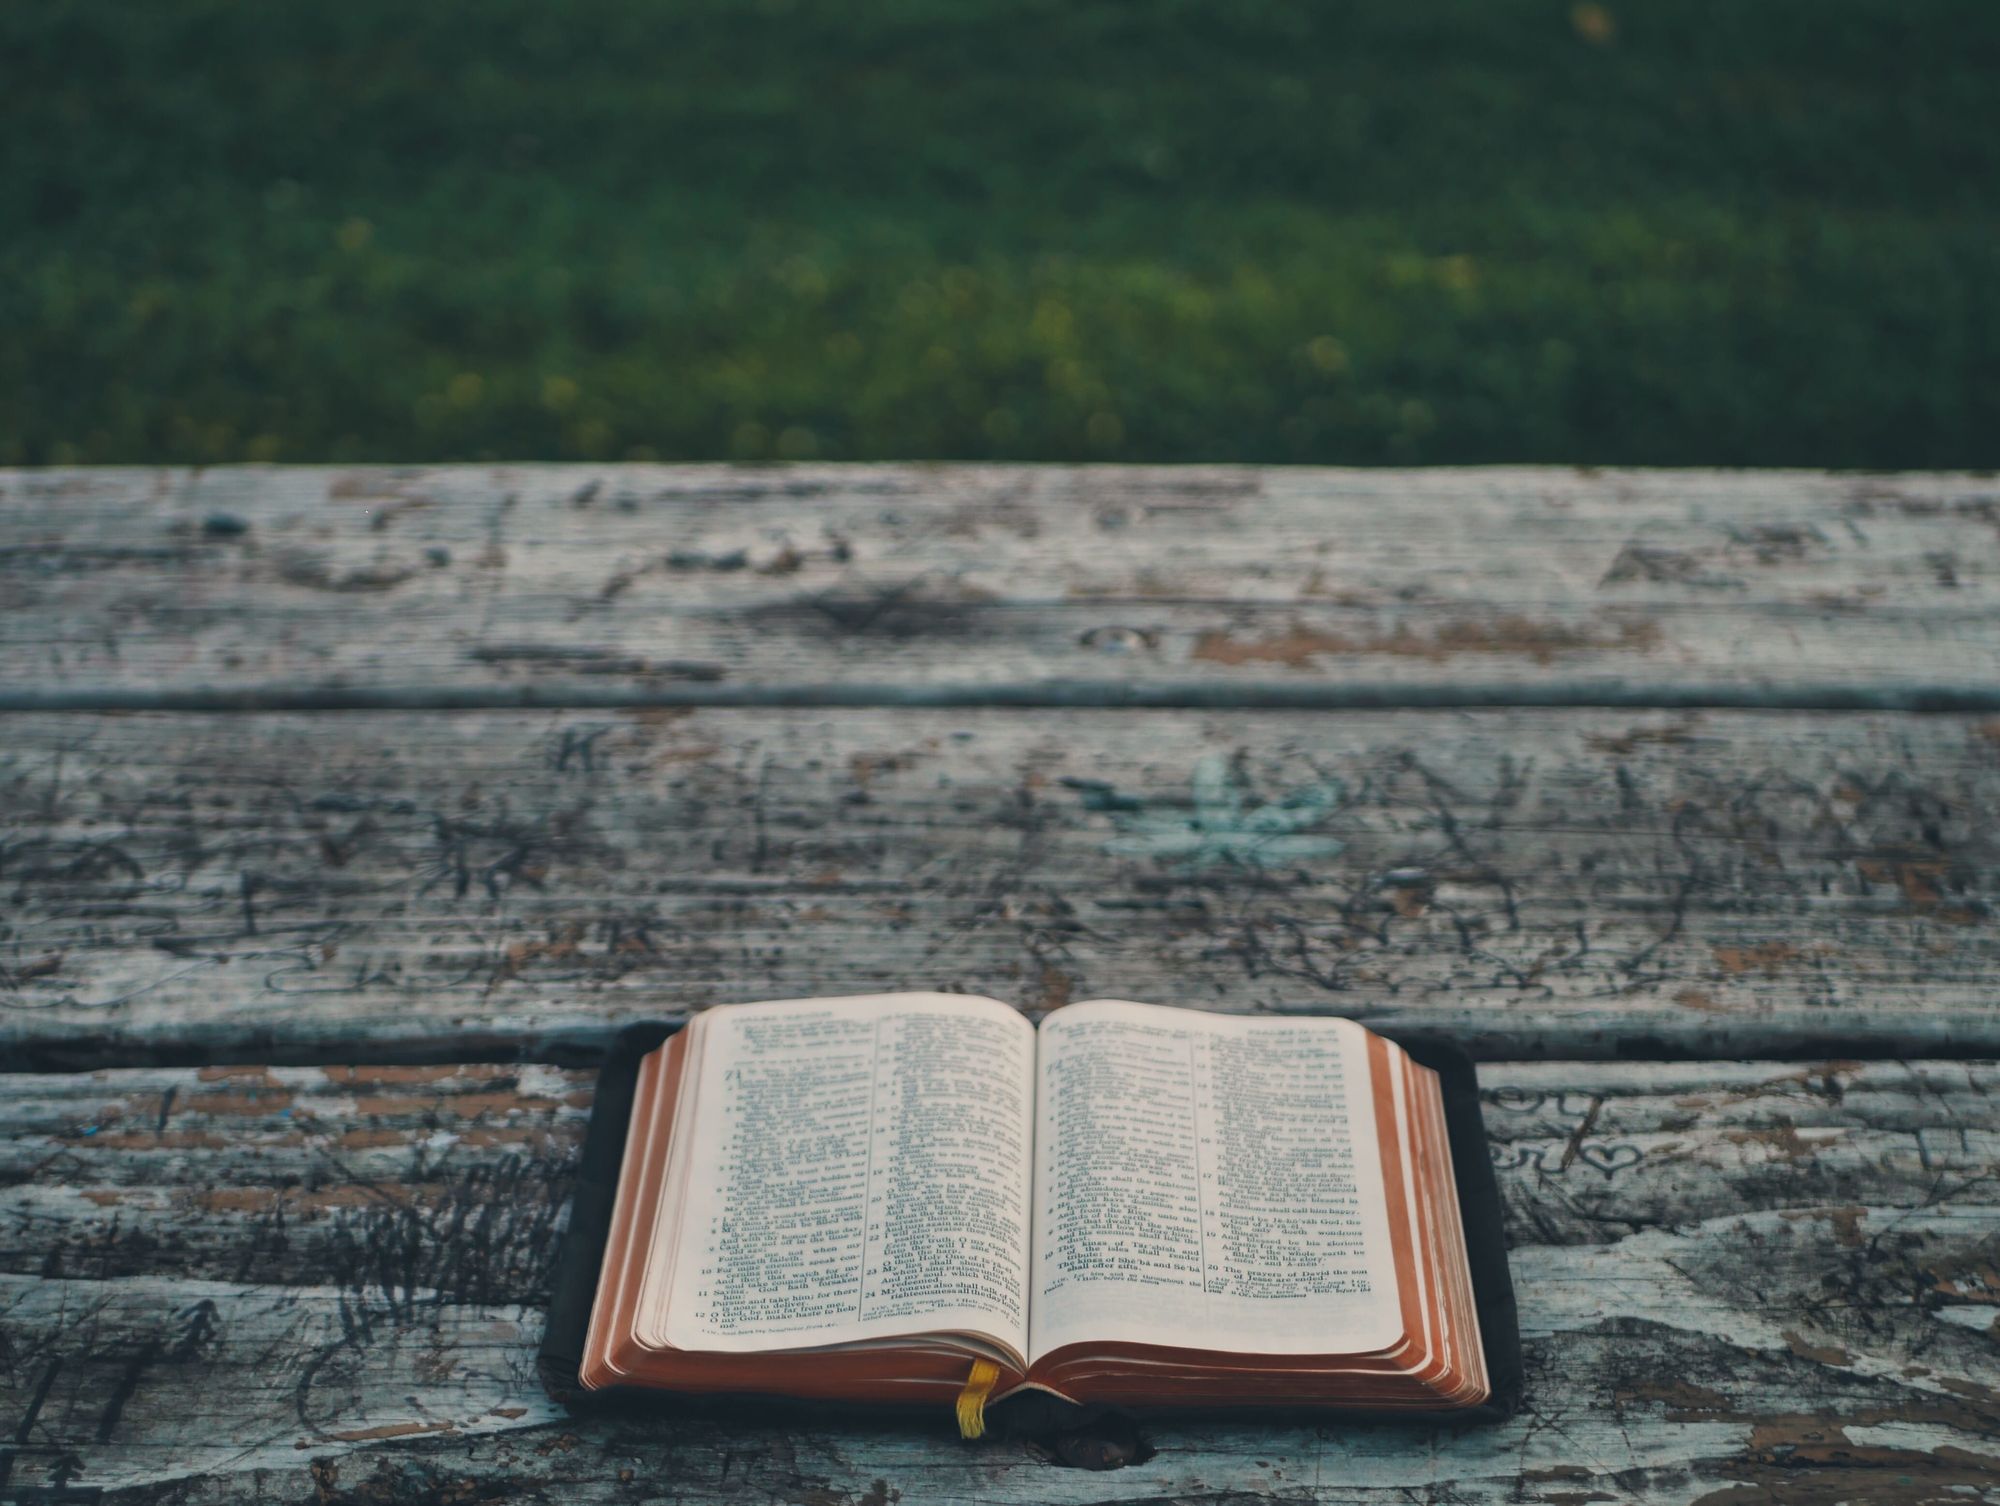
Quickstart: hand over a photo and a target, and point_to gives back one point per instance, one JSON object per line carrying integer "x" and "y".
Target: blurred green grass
{"x": 1703, "y": 232}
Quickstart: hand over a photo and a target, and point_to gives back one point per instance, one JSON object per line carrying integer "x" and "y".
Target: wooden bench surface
{"x": 343, "y": 814}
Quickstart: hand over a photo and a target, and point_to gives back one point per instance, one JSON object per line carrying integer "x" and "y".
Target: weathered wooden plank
{"x": 604, "y": 583}
{"x": 1738, "y": 1282}
{"x": 288, "y": 1174}
{"x": 451, "y": 1179}
{"x": 299, "y": 887}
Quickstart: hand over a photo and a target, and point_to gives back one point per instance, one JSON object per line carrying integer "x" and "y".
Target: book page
{"x": 1208, "y": 1182}
{"x": 860, "y": 1169}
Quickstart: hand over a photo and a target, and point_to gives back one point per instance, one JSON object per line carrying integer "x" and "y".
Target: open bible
{"x": 900, "y": 1196}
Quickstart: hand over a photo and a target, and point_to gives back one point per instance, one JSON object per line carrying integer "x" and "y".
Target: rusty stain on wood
{"x": 372, "y": 1075}
{"x": 386, "y": 1430}
{"x": 1767, "y": 957}
{"x": 1541, "y": 642}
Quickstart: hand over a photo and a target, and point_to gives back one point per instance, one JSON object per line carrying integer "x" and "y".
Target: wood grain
{"x": 280, "y": 887}
{"x": 1738, "y": 1282}
{"x": 576, "y": 585}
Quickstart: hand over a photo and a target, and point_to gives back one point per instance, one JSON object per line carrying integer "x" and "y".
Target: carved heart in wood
{"x": 1610, "y": 1158}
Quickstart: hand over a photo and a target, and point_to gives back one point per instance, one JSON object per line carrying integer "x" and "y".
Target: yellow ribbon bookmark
{"x": 972, "y": 1400}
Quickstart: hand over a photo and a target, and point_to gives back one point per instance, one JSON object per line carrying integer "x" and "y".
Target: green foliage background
{"x": 1695, "y": 231}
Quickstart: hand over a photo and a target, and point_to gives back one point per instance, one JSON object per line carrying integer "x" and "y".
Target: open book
{"x": 864, "y": 1199}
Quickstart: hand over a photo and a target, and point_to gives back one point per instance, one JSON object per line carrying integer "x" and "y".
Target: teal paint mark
{"x": 1224, "y": 825}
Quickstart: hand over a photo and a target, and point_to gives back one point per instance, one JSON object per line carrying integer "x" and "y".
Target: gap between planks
{"x": 584, "y": 1045}
{"x": 1918, "y": 696}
